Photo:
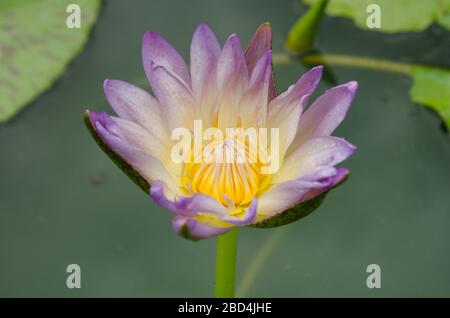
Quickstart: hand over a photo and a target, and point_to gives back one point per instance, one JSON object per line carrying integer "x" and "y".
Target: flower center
{"x": 228, "y": 170}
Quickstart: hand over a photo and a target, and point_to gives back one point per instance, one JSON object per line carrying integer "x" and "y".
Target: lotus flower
{"x": 225, "y": 87}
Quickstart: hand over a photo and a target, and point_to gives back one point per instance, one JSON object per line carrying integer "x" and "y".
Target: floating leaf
{"x": 444, "y": 15}
{"x": 396, "y": 15}
{"x": 432, "y": 88}
{"x": 35, "y": 47}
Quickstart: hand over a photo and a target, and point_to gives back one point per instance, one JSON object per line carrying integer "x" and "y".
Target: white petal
{"x": 205, "y": 51}
{"x": 158, "y": 51}
{"x": 325, "y": 114}
{"x": 232, "y": 81}
{"x": 253, "y": 105}
{"x": 290, "y": 193}
{"x": 176, "y": 99}
{"x": 135, "y": 104}
{"x": 316, "y": 152}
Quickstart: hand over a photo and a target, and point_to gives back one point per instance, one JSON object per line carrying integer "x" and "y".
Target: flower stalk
{"x": 303, "y": 33}
{"x": 363, "y": 62}
{"x": 226, "y": 264}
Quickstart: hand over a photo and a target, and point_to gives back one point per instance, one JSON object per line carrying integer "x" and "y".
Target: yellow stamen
{"x": 229, "y": 171}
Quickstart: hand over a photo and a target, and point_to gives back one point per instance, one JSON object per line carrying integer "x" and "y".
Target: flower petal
{"x": 146, "y": 165}
{"x": 302, "y": 89}
{"x": 253, "y": 105}
{"x": 260, "y": 43}
{"x": 135, "y": 104}
{"x": 140, "y": 138}
{"x": 199, "y": 204}
{"x": 195, "y": 230}
{"x": 286, "y": 120}
{"x": 135, "y": 176}
{"x": 316, "y": 152}
{"x": 186, "y": 205}
{"x": 325, "y": 114}
{"x": 232, "y": 81}
{"x": 341, "y": 175}
{"x": 248, "y": 217}
{"x": 285, "y": 110}
{"x": 289, "y": 193}
{"x": 157, "y": 50}
{"x": 176, "y": 99}
{"x": 205, "y": 51}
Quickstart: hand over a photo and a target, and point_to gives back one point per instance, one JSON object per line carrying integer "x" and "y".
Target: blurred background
{"x": 62, "y": 201}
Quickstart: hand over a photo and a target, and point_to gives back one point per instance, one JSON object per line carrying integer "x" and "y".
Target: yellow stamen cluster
{"x": 228, "y": 170}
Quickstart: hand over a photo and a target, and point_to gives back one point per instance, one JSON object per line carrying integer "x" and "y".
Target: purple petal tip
{"x": 203, "y": 27}
{"x": 233, "y": 38}
{"x": 316, "y": 73}
{"x": 100, "y": 117}
{"x": 318, "y": 68}
{"x": 264, "y": 27}
{"x": 150, "y": 34}
{"x": 352, "y": 87}
{"x": 106, "y": 83}
{"x": 352, "y": 147}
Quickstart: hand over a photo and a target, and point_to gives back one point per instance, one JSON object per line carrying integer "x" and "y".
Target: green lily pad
{"x": 432, "y": 88}
{"x": 396, "y": 15}
{"x": 35, "y": 47}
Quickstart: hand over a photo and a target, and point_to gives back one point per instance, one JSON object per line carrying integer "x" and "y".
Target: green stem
{"x": 226, "y": 264}
{"x": 351, "y": 61}
{"x": 356, "y": 61}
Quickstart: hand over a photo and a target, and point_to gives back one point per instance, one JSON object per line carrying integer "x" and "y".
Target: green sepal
{"x": 119, "y": 161}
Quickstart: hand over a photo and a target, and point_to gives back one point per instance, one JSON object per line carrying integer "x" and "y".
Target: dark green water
{"x": 63, "y": 201}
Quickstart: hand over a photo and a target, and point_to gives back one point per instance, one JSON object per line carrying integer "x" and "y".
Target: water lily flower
{"x": 224, "y": 87}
